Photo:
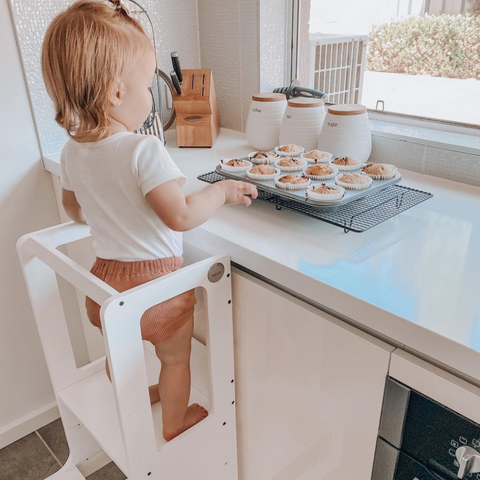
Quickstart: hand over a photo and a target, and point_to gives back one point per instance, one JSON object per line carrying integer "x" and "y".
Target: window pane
{"x": 417, "y": 57}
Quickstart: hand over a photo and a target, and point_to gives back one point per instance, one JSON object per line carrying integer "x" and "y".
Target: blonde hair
{"x": 86, "y": 49}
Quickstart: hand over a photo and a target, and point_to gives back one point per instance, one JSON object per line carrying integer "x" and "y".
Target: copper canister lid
{"x": 347, "y": 109}
{"x": 269, "y": 97}
{"x": 304, "y": 102}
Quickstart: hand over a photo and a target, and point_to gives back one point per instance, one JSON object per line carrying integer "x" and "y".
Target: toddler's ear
{"x": 116, "y": 94}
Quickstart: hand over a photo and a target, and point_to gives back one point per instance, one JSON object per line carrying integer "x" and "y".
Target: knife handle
{"x": 176, "y": 66}
{"x": 174, "y": 78}
{"x": 307, "y": 92}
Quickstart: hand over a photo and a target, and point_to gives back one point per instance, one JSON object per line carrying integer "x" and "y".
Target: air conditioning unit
{"x": 337, "y": 63}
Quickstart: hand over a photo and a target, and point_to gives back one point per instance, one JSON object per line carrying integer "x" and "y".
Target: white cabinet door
{"x": 309, "y": 389}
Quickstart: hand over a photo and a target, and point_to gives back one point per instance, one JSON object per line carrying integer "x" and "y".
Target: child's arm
{"x": 182, "y": 213}
{"x": 72, "y": 207}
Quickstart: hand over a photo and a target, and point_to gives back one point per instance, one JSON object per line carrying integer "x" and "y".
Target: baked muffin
{"x": 236, "y": 163}
{"x": 355, "y": 181}
{"x": 377, "y": 170}
{"x": 353, "y": 178}
{"x": 290, "y": 148}
{"x": 314, "y": 156}
{"x": 324, "y": 189}
{"x": 292, "y": 182}
{"x": 324, "y": 192}
{"x": 319, "y": 170}
{"x": 263, "y": 157}
{"x": 346, "y": 163}
{"x": 290, "y": 162}
{"x": 293, "y": 179}
{"x": 262, "y": 170}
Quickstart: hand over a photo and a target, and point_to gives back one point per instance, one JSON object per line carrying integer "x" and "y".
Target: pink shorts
{"x": 159, "y": 322}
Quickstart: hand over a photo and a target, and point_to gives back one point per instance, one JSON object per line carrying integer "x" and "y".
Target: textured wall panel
{"x": 220, "y": 50}
{"x": 460, "y": 167}
{"x": 243, "y": 41}
{"x": 400, "y": 153}
{"x": 250, "y": 53}
{"x": 438, "y": 162}
{"x": 176, "y": 28}
{"x": 273, "y": 34}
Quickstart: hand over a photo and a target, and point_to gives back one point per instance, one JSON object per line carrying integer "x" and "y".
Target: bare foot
{"x": 195, "y": 413}
{"x": 154, "y": 394}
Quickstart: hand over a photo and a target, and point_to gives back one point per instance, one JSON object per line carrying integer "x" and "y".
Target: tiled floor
{"x": 42, "y": 453}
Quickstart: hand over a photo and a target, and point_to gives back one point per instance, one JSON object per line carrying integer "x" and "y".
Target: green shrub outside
{"x": 440, "y": 46}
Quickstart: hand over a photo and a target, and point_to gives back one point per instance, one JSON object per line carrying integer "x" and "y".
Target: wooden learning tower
{"x": 117, "y": 418}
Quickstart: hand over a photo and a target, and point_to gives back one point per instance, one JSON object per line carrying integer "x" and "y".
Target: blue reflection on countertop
{"x": 351, "y": 278}
{"x": 476, "y": 335}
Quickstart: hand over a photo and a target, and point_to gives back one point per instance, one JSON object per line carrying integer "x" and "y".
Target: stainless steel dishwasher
{"x": 420, "y": 439}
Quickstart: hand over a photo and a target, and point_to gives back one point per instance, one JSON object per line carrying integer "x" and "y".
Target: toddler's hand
{"x": 235, "y": 192}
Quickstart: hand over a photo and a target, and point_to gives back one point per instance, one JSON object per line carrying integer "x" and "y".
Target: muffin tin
{"x": 299, "y": 195}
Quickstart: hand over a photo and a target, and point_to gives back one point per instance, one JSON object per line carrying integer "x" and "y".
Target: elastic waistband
{"x": 103, "y": 267}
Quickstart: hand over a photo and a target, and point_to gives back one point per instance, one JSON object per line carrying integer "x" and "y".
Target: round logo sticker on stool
{"x": 215, "y": 272}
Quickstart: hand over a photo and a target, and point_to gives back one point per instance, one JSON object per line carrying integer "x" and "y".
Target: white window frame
{"x": 291, "y": 66}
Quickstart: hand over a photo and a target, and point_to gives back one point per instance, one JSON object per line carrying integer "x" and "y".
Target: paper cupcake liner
{"x": 325, "y": 196}
{"x": 289, "y": 154}
{"x": 354, "y": 186}
{"x": 228, "y": 168}
{"x": 261, "y": 161}
{"x": 295, "y": 168}
{"x": 348, "y": 168}
{"x": 257, "y": 176}
{"x": 387, "y": 176}
{"x": 291, "y": 186}
{"x": 324, "y": 177}
{"x": 319, "y": 160}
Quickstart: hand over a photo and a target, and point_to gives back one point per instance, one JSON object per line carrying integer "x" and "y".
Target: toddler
{"x": 98, "y": 67}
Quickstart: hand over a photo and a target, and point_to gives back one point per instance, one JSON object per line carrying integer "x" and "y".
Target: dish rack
{"x": 357, "y": 216}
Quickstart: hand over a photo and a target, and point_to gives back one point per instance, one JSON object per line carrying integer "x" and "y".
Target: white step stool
{"x": 117, "y": 418}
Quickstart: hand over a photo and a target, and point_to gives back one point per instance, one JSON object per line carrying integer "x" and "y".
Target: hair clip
{"x": 121, "y": 5}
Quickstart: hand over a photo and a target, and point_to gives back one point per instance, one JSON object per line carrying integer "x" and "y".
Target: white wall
{"x": 27, "y": 203}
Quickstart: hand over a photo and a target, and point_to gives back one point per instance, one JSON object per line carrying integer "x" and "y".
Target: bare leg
{"x": 153, "y": 390}
{"x": 174, "y": 383}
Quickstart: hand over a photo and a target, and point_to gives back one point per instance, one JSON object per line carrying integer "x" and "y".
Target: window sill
{"x": 457, "y": 142}
{"x": 51, "y": 164}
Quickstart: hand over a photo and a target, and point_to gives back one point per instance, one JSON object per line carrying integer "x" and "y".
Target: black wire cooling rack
{"x": 356, "y": 216}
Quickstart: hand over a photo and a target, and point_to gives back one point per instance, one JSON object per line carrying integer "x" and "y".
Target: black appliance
{"x": 420, "y": 439}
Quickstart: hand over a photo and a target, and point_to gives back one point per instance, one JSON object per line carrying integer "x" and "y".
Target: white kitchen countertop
{"x": 414, "y": 278}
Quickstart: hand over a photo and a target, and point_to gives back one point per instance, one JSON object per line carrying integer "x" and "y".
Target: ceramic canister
{"x": 302, "y": 122}
{"x": 264, "y": 119}
{"x": 346, "y": 132}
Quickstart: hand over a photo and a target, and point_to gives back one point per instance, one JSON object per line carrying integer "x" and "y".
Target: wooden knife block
{"x": 198, "y": 121}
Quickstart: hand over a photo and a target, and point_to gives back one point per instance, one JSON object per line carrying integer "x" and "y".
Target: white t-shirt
{"x": 110, "y": 179}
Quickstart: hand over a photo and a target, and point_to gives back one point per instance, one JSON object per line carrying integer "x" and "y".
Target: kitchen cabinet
{"x": 309, "y": 388}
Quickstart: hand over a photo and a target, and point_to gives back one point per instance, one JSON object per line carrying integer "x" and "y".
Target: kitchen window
{"x": 414, "y": 58}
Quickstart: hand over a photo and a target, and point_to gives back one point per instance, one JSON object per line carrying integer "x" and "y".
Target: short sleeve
{"x": 155, "y": 165}
{"x": 64, "y": 181}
